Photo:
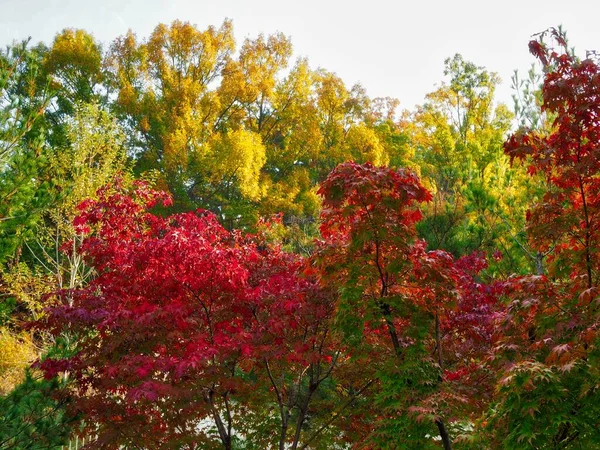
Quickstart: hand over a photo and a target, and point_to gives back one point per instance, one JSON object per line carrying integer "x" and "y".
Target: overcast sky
{"x": 393, "y": 48}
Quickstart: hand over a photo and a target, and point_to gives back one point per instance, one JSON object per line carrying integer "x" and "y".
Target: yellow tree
{"x": 294, "y": 142}
{"x": 183, "y": 98}
{"x": 74, "y": 65}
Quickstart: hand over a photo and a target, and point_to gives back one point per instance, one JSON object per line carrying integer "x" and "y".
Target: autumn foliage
{"x": 183, "y": 321}
{"x": 549, "y": 331}
{"x": 425, "y": 282}
{"x": 188, "y": 331}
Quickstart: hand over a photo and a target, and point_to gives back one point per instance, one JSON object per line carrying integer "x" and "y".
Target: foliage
{"x": 241, "y": 133}
{"x": 423, "y": 280}
{"x": 391, "y": 285}
{"x": 479, "y": 200}
{"x": 549, "y": 330}
{"x": 33, "y": 416}
{"x": 24, "y": 191}
{"x": 18, "y": 352}
{"x": 94, "y": 157}
{"x": 238, "y": 321}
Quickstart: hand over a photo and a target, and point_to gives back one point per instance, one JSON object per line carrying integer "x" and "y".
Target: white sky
{"x": 393, "y": 48}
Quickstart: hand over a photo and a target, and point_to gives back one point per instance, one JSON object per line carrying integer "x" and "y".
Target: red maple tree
{"x": 547, "y": 340}
{"x": 188, "y": 330}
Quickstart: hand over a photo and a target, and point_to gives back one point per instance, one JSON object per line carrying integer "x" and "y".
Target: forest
{"x": 212, "y": 246}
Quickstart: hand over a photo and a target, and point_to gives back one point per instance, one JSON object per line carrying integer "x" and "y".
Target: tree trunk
{"x": 444, "y": 434}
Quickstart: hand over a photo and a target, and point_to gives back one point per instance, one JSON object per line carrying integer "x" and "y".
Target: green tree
{"x": 33, "y": 416}
{"x": 24, "y": 190}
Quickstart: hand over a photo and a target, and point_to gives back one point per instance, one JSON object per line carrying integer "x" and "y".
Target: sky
{"x": 393, "y": 48}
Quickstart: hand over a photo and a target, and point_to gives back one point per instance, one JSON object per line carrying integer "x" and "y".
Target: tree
{"x": 549, "y": 330}
{"x": 25, "y": 194}
{"x": 74, "y": 65}
{"x": 296, "y": 357}
{"x": 527, "y": 100}
{"x": 171, "y": 120}
{"x": 24, "y": 190}
{"x": 33, "y": 416}
{"x": 458, "y": 135}
{"x": 189, "y": 334}
{"x": 389, "y": 282}
{"x": 236, "y": 134}
{"x": 95, "y": 156}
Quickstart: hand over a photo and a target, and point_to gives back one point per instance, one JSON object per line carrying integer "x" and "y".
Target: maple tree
{"x": 242, "y": 328}
{"x": 549, "y": 330}
{"x": 390, "y": 283}
{"x": 296, "y": 357}
{"x": 170, "y": 343}
{"x": 187, "y": 323}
